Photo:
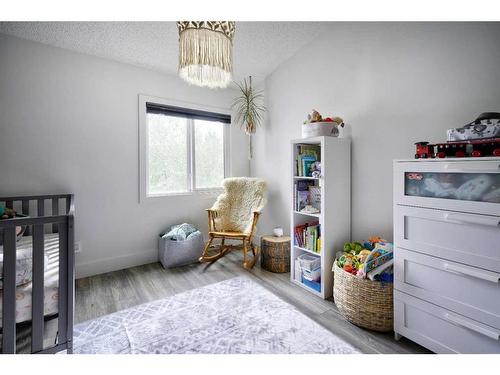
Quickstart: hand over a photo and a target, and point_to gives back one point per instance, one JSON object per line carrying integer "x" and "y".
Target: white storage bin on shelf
{"x": 312, "y": 275}
{"x": 318, "y": 129}
{"x": 308, "y": 262}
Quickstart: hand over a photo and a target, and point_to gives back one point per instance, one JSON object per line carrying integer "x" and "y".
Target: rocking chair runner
{"x": 234, "y": 216}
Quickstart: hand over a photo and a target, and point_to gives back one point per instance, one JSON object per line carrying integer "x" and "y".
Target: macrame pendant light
{"x": 206, "y": 52}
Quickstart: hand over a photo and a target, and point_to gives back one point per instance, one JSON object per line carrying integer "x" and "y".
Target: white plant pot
{"x": 316, "y": 129}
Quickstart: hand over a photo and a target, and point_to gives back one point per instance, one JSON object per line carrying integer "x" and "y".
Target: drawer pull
{"x": 467, "y": 324}
{"x": 467, "y": 219}
{"x": 490, "y": 276}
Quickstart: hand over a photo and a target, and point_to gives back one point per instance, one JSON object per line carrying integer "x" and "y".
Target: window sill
{"x": 201, "y": 193}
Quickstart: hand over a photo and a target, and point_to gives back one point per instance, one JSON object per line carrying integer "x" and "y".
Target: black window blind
{"x": 187, "y": 113}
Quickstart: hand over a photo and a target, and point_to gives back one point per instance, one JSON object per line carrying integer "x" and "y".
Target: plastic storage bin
{"x": 314, "y": 275}
{"x": 316, "y": 285}
{"x": 309, "y": 262}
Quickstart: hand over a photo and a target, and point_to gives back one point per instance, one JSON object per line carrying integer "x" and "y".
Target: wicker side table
{"x": 275, "y": 255}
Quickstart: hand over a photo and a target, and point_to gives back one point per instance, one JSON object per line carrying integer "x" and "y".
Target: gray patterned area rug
{"x": 232, "y": 316}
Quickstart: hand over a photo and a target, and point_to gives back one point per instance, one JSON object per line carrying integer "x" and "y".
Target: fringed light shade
{"x": 206, "y": 52}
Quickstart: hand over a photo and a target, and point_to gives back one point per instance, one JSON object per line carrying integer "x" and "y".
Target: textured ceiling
{"x": 259, "y": 47}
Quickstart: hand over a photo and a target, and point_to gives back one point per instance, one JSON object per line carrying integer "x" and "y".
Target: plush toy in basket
{"x": 363, "y": 284}
{"x": 317, "y": 125}
{"x": 372, "y": 259}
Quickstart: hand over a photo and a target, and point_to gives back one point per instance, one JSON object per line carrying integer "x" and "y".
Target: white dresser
{"x": 447, "y": 253}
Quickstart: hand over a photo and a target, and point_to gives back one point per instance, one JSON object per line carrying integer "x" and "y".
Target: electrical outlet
{"x": 78, "y": 246}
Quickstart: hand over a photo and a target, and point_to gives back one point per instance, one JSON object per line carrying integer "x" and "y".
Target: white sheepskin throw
{"x": 242, "y": 196}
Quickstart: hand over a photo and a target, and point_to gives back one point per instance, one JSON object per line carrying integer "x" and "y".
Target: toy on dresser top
{"x": 371, "y": 259}
{"x": 480, "y": 137}
{"x": 317, "y": 125}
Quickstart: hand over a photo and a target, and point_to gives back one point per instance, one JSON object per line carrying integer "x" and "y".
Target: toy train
{"x": 458, "y": 149}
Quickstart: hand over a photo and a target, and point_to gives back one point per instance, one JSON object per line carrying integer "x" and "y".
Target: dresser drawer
{"x": 441, "y": 330}
{"x": 458, "y": 185}
{"x": 464, "y": 238}
{"x": 469, "y": 291}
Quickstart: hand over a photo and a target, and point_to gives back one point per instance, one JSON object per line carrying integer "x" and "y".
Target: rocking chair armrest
{"x": 212, "y": 214}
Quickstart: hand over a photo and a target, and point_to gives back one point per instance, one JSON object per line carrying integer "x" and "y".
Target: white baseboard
{"x": 115, "y": 263}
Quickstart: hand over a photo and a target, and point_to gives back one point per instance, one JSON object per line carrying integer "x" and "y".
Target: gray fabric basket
{"x": 178, "y": 253}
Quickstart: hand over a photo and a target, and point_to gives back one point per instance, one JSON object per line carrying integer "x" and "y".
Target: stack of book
{"x": 306, "y": 155}
{"x": 308, "y": 236}
{"x": 306, "y": 193}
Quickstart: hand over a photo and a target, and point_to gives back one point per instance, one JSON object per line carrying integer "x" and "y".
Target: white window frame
{"x": 144, "y": 152}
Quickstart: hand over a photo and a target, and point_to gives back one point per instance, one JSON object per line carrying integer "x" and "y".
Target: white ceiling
{"x": 259, "y": 47}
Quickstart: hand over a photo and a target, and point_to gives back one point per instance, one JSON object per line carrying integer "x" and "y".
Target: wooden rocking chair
{"x": 234, "y": 216}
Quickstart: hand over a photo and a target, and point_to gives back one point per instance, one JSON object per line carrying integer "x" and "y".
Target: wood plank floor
{"x": 103, "y": 294}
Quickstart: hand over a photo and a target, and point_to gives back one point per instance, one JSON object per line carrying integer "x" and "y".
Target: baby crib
{"x": 49, "y": 235}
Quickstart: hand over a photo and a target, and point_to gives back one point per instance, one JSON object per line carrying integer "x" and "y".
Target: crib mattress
{"x": 51, "y": 284}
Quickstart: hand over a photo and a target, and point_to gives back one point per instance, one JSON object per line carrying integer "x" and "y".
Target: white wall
{"x": 394, "y": 84}
{"x": 69, "y": 123}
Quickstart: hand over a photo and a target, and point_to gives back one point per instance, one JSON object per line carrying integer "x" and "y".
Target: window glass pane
{"x": 209, "y": 153}
{"x": 167, "y": 158}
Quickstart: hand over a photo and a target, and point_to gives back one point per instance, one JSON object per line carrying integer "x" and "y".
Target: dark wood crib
{"x": 44, "y": 217}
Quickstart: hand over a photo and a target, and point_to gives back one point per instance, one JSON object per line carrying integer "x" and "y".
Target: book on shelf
{"x": 301, "y": 194}
{"x": 315, "y": 196}
{"x": 305, "y": 192}
{"x": 313, "y": 150}
{"x": 306, "y": 156}
{"x": 308, "y": 236}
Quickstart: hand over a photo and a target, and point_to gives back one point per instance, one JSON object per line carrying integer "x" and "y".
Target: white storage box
{"x": 309, "y": 262}
{"x": 314, "y": 275}
{"x": 316, "y": 129}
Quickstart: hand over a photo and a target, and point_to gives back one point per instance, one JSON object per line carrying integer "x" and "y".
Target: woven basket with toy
{"x": 363, "y": 284}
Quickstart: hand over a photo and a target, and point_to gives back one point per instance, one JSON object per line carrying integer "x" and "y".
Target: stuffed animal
{"x": 363, "y": 254}
{"x": 492, "y": 197}
{"x": 315, "y": 116}
{"x": 316, "y": 169}
{"x": 8, "y": 213}
{"x": 472, "y": 190}
{"x": 438, "y": 190}
{"x": 353, "y": 248}
{"x": 336, "y": 120}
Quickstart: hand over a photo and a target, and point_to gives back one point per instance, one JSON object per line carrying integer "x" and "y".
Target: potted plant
{"x": 249, "y": 109}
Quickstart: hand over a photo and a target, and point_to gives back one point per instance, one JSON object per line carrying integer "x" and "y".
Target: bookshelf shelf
{"x": 308, "y": 251}
{"x": 318, "y": 215}
{"x": 306, "y": 178}
{"x": 307, "y": 288}
{"x": 331, "y": 194}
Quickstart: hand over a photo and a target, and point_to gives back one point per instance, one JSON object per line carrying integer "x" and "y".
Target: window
{"x": 182, "y": 149}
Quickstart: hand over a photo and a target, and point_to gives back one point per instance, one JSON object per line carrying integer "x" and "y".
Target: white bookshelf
{"x": 335, "y": 215}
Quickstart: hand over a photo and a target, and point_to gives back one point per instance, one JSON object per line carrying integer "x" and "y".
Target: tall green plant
{"x": 249, "y": 109}
{"x": 248, "y": 106}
